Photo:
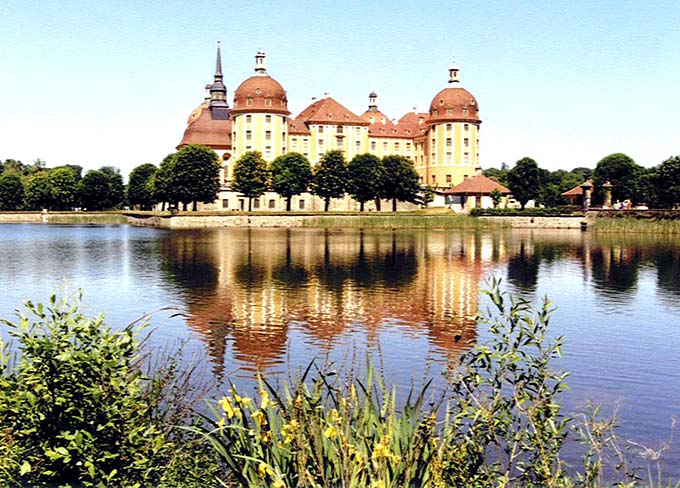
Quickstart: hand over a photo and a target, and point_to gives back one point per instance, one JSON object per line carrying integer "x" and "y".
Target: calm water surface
{"x": 273, "y": 299}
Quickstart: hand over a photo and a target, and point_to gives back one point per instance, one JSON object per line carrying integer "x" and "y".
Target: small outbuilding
{"x": 575, "y": 195}
{"x": 475, "y": 192}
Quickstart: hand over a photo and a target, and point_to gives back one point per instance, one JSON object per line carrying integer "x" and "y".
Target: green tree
{"x": 162, "y": 182}
{"x": 400, "y": 180}
{"x": 427, "y": 195}
{"x": 139, "y": 188}
{"x": 195, "y": 175}
{"x": 291, "y": 175}
{"x": 93, "y": 190}
{"x": 250, "y": 176}
{"x": 38, "y": 192}
{"x": 524, "y": 180}
{"x": 365, "y": 178}
{"x": 499, "y": 175}
{"x": 12, "y": 166}
{"x": 116, "y": 193}
{"x": 668, "y": 182}
{"x": 330, "y": 177}
{"x": 496, "y": 197}
{"x": 63, "y": 184}
{"x": 11, "y": 192}
{"x": 622, "y": 172}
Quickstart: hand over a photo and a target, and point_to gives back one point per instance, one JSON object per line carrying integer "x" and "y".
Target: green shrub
{"x": 77, "y": 410}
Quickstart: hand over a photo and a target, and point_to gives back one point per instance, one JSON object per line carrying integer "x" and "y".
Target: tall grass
{"x": 85, "y": 218}
{"x": 637, "y": 226}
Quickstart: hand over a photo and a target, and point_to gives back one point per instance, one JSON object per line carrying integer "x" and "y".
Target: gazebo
{"x": 474, "y": 192}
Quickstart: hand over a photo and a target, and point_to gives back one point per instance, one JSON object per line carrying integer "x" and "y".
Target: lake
{"x": 271, "y": 300}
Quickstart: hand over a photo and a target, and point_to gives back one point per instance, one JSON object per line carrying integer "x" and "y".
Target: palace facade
{"x": 443, "y": 143}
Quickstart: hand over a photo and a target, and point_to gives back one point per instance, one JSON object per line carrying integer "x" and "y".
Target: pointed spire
{"x": 219, "y": 108}
{"x": 218, "y": 64}
{"x": 453, "y": 71}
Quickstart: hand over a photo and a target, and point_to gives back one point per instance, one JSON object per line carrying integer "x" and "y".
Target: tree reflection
{"x": 523, "y": 269}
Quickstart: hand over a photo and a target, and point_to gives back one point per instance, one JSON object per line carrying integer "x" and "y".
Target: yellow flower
{"x": 264, "y": 395}
{"x": 263, "y": 470}
{"x": 288, "y": 431}
{"x": 221, "y": 423}
{"x": 246, "y": 402}
{"x": 279, "y": 484}
{"x": 259, "y": 417}
{"x": 335, "y": 416}
{"x": 331, "y": 432}
{"x": 265, "y": 436}
{"x": 378, "y": 484}
{"x": 226, "y": 405}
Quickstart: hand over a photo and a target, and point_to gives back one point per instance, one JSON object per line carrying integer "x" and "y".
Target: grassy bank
{"x": 637, "y": 226}
{"x": 84, "y": 218}
{"x": 395, "y": 221}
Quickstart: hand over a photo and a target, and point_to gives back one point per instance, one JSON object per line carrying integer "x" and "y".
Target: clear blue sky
{"x": 565, "y": 82}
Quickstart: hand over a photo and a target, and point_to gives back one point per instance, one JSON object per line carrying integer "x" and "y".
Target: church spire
{"x": 219, "y": 108}
{"x": 260, "y": 68}
{"x": 372, "y": 103}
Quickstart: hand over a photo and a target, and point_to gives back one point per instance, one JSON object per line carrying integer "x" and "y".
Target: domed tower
{"x": 452, "y": 143}
{"x": 260, "y": 114}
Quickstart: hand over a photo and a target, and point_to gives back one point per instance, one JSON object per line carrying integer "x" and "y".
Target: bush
{"x": 76, "y": 408}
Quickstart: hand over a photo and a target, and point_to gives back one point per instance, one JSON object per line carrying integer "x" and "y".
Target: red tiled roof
{"x": 329, "y": 111}
{"x": 377, "y": 115}
{"x": 202, "y": 129}
{"x": 414, "y": 118}
{"x": 577, "y": 191}
{"x": 296, "y": 126}
{"x": 477, "y": 184}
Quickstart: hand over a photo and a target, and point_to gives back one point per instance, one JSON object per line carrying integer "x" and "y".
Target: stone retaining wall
{"x": 21, "y": 218}
{"x": 540, "y": 222}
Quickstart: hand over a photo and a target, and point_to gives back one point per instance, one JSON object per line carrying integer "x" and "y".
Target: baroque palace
{"x": 442, "y": 143}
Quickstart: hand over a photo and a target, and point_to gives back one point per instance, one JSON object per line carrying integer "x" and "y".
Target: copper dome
{"x": 454, "y": 104}
{"x": 260, "y": 94}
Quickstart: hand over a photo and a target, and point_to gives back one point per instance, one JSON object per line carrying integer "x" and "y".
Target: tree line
{"x": 191, "y": 175}
{"x": 656, "y": 187}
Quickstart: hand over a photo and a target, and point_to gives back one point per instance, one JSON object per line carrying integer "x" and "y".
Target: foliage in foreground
{"x": 501, "y": 424}
{"x": 76, "y": 408}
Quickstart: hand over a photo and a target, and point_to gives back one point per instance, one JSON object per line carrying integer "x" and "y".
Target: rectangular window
{"x": 466, "y": 127}
{"x": 302, "y": 204}
{"x": 249, "y": 101}
{"x": 293, "y": 144}
{"x": 225, "y": 203}
{"x": 320, "y": 142}
{"x": 249, "y": 119}
{"x": 358, "y": 145}
{"x": 305, "y": 145}
{"x": 448, "y": 142}
{"x": 339, "y": 130}
{"x": 372, "y": 145}
{"x": 338, "y": 142}
{"x": 249, "y": 148}
{"x": 448, "y": 155}
{"x": 256, "y": 203}
{"x": 396, "y": 147}
{"x": 272, "y": 203}
{"x": 466, "y": 157}
{"x": 249, "y": 135}
{"x": 384, "y": 146}
{"x": 268, "y": 119}
{"x": 268, "y": 135}
{"x": 448, "y": 127}
{"x": 408, "y": 146}
{"x": 357, "y": 131}
{"x": 268, "y": 102}
{"x": 321, "y": 129}
{"x": 466, "y": 142}
{"x": 448, "y": 178}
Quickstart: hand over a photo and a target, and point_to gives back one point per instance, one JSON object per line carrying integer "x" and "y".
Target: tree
{"x": 400, "y": 180}
{"x": 11, "y": 192}
{"x": 116, "y": 193}
{"x": 524, "y": 181}
{"x": 162, "y": 182}
{"x": 668, "y": 182}
{"x": 63, "y": 184}
{"x": 427, "y": 195}
{"x": 93, "y": 190}
{"x": 499, "y": 175}
{"x": 195, "y": 175}
{"x": 38, "y": 193}
{"x": 250, "y": 176}
{"x": 330, "y": 177}
{"x": 623, "y": 174}
{"x": 365, "y": 178}
{"x": 291, "y": 175}
{"x": 496, "y": 197}
{"x": 139, "y": 189}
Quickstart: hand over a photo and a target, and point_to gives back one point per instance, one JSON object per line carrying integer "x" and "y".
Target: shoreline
{"x": 598, "y": 221}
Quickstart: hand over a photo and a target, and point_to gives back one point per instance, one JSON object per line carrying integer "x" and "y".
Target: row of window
{"x": 271, "y": 204}
{"x": 267, "y": 119}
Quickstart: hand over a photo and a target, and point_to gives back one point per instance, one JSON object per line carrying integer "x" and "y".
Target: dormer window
{"x": 465, "y": 111}
{"x": 330, "y": 116}
{"x": 249, "y": 101}
{"x": 258, "y": 92}
{"x": 268, "y": 102}
{"x": 346, "y": 116}
{"x": 449, "y": 111}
